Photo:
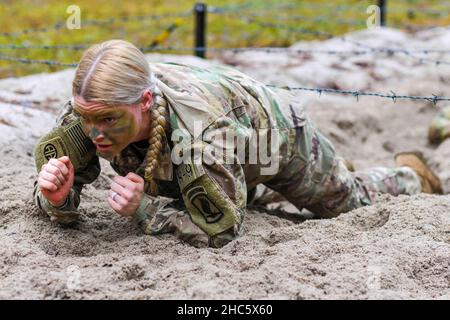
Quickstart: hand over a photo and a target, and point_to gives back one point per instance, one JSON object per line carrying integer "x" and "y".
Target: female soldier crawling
{"x": 144, "y": 118}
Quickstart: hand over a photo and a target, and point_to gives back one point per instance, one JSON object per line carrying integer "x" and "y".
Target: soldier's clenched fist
{"x": 126, "y": 194}
{"x": 55, "y": 180}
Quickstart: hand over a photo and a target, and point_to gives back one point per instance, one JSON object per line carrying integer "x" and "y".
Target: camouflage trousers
{"x": 342, "y": 190}
{"x": 317, "y": 179}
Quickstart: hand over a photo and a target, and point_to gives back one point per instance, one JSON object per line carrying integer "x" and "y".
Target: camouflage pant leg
{"x": 341, "y": 191}
{"x": 261, "y": 195}
{"x": 394, "y": 181}
{"x": 316, "y": 179}
{"x": 66, "y": 214}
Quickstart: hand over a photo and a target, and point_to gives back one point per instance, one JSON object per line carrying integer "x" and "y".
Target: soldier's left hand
{"x": 126, "y": 193}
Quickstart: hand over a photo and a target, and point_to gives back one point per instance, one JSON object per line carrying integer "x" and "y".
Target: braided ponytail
{"x": 158, "y": 125}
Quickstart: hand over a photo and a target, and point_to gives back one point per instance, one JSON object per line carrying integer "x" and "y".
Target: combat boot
{"x": 349, "y": 165}
{"x": 439, "y": 128}
{"x": 415, "y": 160}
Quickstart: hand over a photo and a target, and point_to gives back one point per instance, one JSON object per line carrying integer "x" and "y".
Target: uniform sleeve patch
{"x": 188, "y": 173}
{"x": 53, "y": 148}
{"x": 199, "y": 199}
{"x": 77, "y": 137}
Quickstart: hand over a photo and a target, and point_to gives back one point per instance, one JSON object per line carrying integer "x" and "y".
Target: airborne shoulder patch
{"x": 198, "y": 197}
{"x": 209, "y": 206}
{"x": 52, "y": 148}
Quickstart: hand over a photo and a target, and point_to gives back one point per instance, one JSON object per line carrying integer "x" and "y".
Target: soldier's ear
{"x": 147, "y": 101}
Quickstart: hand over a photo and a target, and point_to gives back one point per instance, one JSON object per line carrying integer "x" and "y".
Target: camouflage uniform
{"x": 439, "y": 129}
{"x": 209, "y": 199}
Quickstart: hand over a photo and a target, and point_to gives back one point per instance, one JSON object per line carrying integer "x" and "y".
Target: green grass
{"x": 222, "y": 31}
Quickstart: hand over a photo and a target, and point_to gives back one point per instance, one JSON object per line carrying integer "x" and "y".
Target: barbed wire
{"x": 31, "y": 61}
{"x": 355, "y": 93}
{"x": 398, "y": 50}
{"x": 409, "y": 11}
{"x": 228, "y": 9}
{"x": 154, "y": 47}
{"x": 61, "y": 25}
{"x": 329, "y": 35}
{"x": 415, "y": 27}
{"x": 287, "y": 50}
{"x": 288, "y": 27}
{"x": 393, "y": 96}
{"x": 339, "y": 7}
{"x": 216, "y": 10}
{"x": 330, "y": 17}
{"x": 248, "y": 18}
{"x": 232, "y": 12}
{"x": 211, "y": 9}
{"x": 423, "y": 11}
{"x": 272, "y": 6}
{"x": 301, "y": 18}
{"x": 75, "y": 47}
{"x": 353, "y": 22}
{"x": 258, "y": 49}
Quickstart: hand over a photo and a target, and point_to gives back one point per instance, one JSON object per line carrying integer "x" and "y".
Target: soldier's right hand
{"x": 55, "y": 180}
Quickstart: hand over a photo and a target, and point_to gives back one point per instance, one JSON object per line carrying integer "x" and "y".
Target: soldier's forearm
{"x": 157, "y": 215}
{"x": 60, "y": 205}
{"x": 66, "y": 213}
{"x": 145, "y": 210}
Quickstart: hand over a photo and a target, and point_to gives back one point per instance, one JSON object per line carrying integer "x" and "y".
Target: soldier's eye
{"x": 109, "y": 120}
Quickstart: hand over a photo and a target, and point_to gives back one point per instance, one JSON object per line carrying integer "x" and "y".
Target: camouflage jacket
{"x": 210, "y": 196}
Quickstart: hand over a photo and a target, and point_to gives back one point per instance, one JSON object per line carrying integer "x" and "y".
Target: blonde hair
{"x": 115, "y": 72}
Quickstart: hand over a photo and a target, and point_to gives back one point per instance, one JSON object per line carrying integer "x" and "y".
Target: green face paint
{"x": 94, "y": 133}
{"x": 110, "y": 128}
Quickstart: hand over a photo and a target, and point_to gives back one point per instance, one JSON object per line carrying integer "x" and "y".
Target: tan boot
{"x": 415, "y": 160}
{"x": 349, "y": 165}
